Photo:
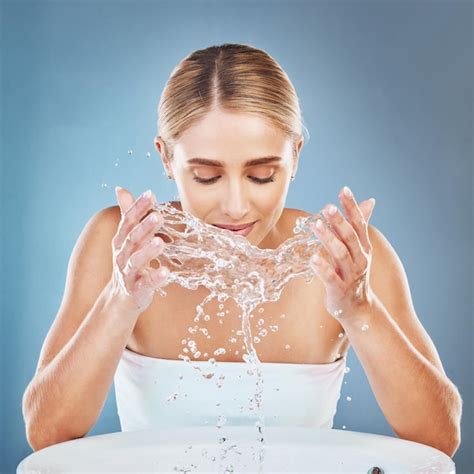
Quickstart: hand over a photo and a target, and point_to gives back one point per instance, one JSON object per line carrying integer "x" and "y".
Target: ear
{"x": 298, "y": 146}
{"x": 160, "y": 146}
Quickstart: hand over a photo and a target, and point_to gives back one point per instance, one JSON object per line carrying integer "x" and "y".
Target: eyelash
{"x": 213, "y": 180}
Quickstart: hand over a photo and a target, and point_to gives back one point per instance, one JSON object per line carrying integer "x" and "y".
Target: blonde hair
{"x": 233, "y": 78}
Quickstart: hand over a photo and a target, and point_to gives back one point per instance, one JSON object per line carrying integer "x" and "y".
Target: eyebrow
{"x": 217, "y": 164}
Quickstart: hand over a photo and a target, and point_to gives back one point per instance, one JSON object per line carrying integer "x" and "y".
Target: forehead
{"x": 232, "y": 138}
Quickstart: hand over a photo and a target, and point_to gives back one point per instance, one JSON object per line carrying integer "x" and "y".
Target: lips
{"x": 234, "y": 227}
{"x": 242, "y": 231}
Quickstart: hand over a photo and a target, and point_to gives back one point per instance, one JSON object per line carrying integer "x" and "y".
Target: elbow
{"x": 41, "y": 434}
{"x": 454, "y": 433}
{"x": 449, "y": 443}
{"x": 43, "y": 439}
{"x": 38, "y": 439}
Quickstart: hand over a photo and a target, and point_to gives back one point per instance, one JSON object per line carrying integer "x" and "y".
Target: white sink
{"x": 286, "y": 450}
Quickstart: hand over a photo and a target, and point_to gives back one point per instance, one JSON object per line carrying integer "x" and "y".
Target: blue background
{"x": 386, "y": 94}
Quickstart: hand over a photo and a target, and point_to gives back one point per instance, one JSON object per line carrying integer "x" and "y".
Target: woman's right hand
{"x": 133, "y": 247}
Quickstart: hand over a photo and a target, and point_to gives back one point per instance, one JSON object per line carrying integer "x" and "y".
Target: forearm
{"x": 65, "y": 399}
{"x": 419, "y": 402}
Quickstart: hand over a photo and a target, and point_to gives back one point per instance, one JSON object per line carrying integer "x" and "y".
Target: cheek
{"x": 271, "y": 204}
{"x": 197, "y": 202}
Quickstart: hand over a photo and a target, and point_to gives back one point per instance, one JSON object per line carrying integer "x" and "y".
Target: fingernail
{"x": 147, "y": 194}
{"x": 347, "y": 191}
{"x": 372, "y": 201}
{"x": 117, "y": 189}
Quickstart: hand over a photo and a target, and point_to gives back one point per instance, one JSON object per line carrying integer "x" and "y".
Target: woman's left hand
{"x": 346, "y": 276}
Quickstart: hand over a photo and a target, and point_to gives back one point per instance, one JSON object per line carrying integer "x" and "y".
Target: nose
{"x": 235, "y": 201}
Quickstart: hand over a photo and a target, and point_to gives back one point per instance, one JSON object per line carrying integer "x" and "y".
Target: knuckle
{"x": 132, "y": 237}
{"x": 341, "y": 252}
{"x": 331, "y": 277}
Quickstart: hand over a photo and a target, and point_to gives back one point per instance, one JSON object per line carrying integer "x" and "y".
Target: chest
{"x": 294, "y": 329}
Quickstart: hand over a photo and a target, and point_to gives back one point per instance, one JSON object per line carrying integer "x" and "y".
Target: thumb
{"x": 367, "y": 208}
{"x": 124, "y": 198}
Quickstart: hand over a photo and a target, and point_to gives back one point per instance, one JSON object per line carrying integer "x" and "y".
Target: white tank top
{"x": 159, "y": 393}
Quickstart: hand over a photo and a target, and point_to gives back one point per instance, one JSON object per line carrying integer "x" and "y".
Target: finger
{"x": 159, "y": 276}
{"x": 125, "y": 199}
{"x": 346, "y": 233}
{"x": 152, "y": 278}
{"x": 367, "y": 208}
{"x": 141, "y": 258}
{"x": 327, "y": 273}
{"x": 355, "y": 216}
{"x": 137, "y": 211}
{"x": 139, "y": 236}
{"x": 135, "y": 266}
{"x": 339, "y": 253}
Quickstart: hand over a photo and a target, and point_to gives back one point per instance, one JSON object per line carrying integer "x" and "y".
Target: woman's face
{"x": 216, "y": 182}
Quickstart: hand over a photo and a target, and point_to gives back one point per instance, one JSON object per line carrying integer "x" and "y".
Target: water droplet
{"x": 221, "y": 421}
{"x": 365, "y": 327}
{"x": 348, "y": 399}
{"x": 287, "y": 346}
{"x": 282, "y": 316}
{"x": 172, "y": 397}
{"x": 343, "y": 427}
{"x": 130, "y": 152}
{"x": 274, "y": 328}
{"x": 148, "y": 154}
{"x": 347, "y": 370}
{"x": 261, "y": 310}
{"x": 256, "y": 339}
{"x": 341, "y": 334}
{"x": 104, "y": 185}
{"x": 260, "y": 322}
{"x": 219, "y": 351}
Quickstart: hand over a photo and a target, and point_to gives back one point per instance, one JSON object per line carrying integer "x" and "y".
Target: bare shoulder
{"x": 290, "y": 215}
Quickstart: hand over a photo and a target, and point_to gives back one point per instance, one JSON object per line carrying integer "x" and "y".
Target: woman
{"x": 230, "y": 135}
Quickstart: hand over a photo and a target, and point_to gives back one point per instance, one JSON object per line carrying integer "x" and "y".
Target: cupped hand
{"x": 345, "y": 273}
{"x": 134, "y": 246}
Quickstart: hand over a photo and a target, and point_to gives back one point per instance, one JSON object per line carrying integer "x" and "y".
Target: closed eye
{"x": 256, "y": 180}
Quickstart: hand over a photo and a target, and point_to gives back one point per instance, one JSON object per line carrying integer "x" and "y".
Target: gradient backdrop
{"x": 386, "y": 94}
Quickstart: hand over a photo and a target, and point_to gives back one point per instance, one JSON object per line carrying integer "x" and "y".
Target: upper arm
{"x": 89, "y": 270}
{"x": 389, "y": 282}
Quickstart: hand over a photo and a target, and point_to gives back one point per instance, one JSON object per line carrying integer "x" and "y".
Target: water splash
{"x": 198, "y": 254}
